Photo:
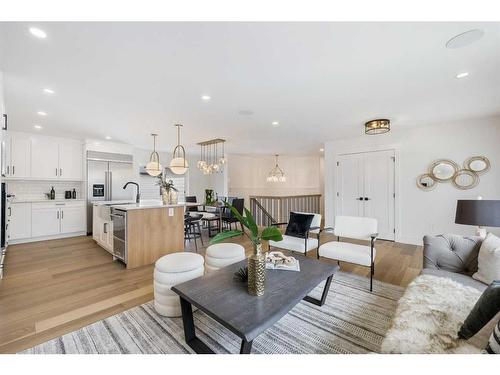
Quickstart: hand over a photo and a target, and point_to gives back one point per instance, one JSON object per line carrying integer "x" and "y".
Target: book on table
{"x": 276, "y": 260}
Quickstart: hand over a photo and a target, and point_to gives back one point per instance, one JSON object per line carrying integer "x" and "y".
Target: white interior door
{"x": 379, "y": 190}
{"x": 365, "y": 188}
{"x": 350, "y": 185}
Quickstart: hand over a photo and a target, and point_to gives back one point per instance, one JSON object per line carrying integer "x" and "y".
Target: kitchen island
{"x": 144, "y": 232}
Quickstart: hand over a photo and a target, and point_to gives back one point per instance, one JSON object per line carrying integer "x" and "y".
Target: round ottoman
{"x": 222, "y": 255}
{"x": 170, "y": 270}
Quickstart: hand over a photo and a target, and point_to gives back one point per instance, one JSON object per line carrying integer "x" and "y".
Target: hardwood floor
{"x": 54, "y": 287}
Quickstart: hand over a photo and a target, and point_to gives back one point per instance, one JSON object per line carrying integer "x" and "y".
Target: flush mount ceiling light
{"x": 42, "y": 113}
{"x": 465, "y": 38}
{"x": 462, "y": 75}
{"x": 48, "y": 91}
{"x": 275, "y": 124}
{"x": 212, "y": 158}
{"x": 39, "y": 33}
{"x": 276, "y": 174}
{"x": 38, "y": 127}
{"x": 108, "y": 137}
{"x": 154, "y": 167}
{"x": 206, "y": 97}
{"x": 378, "y": 126}
{"x": 179, "y": 164}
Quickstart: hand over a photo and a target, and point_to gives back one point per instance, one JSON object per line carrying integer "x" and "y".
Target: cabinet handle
{"x": 56, "y": 171}
{"x": 13, "y": 170}
{"x": 367, "y": 199}
{"x": 8, "y": 169}
{"x": 58, "y": 214}
{"x": 62, "y": 214}
{"x": 105, "y": 229}
{"x": 10, "y": 211}
{"x": 359, "y": 199}
{"x": 60, "y": 172}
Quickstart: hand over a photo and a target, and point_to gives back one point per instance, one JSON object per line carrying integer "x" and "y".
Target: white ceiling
{"x": 321, "y": 81}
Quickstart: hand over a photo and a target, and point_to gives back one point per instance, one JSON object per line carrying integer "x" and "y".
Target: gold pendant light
{"x": 179, "y": 164}
{"x": 154, "y": 167}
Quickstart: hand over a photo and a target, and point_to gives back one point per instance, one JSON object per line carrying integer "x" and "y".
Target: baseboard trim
{"x": 45, "y": 238}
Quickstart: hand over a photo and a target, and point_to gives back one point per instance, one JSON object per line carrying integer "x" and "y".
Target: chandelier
{"x": 212, "y": 157}
{"x": 276, "y": 174}
{"x": 378, "y": 126}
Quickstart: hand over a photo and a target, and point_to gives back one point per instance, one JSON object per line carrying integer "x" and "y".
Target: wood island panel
{"x": 152, "y": 233}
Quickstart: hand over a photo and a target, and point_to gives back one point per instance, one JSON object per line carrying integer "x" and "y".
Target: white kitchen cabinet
{"x": 18, "y": 155}
{"x": 102, "y": 230}
{"x": 19, "y": 220}
{"x": 49, "y": 219}
{"x": 44, "y": 157}
{"x": 70, "y": 160}
{"x": 72, "y": 219}
{"x": 45, "y": 220}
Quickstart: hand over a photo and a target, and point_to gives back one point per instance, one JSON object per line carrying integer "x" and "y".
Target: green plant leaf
{"x": 271, "y": 233}
{"x": 225, "y": 235}
{"x": 252, "y": 225}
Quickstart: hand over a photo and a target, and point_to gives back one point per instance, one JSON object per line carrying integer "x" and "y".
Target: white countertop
{"x": 110, "y": 203}
{"x": 151, "y": 204}
{"x": 42, "y": 200}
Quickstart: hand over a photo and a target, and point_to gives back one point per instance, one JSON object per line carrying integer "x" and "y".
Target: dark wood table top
{"x": 227, "y": 300}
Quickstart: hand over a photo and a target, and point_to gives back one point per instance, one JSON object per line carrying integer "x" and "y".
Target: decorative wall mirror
{"x": 465, "y": 179}
{"x": 478, "y": 164}
{"x": 443, "y": 170}
{"x": 426, "y": 182}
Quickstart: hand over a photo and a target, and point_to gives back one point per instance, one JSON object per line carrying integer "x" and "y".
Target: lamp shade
{"x": 485, "y": 213}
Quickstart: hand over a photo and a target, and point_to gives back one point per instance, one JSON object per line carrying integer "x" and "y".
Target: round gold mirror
{"x": 426, "y": 182}
{"x": 443, "y": 170}
{"x": 478, "y": 164}
{"x": 465, "y": 179}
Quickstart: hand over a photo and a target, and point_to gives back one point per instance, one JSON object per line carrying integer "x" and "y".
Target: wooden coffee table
{"x": 227, "y": 301}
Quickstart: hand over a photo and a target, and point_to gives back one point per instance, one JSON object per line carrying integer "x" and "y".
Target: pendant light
{"x": 179, "y": 164}
{"x": 276, "y": 174}
{"x": 212, "y": 156}
{"x": 154, "y": 167}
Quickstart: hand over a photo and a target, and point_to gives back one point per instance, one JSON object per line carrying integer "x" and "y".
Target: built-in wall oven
{"x": 119, "y": 219}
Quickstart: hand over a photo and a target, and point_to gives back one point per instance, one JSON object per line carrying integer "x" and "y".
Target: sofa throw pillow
{"x": 485, "y": 309}
{"x": 488, "y": 260}
{"x": 494, "y": 343}
{"x": 298, "y": 224}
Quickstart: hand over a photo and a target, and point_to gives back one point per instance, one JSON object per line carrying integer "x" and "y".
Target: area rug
{"x": 352, "y": 320}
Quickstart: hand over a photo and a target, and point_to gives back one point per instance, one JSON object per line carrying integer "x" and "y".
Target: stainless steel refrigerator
{"x": 106, "y": 175}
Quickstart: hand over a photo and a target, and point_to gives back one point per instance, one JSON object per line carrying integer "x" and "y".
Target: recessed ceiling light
{"x": 321, "y": 149}
{"x": 462, "y": 75}
{"x": 38, "y": 127}
{"x": 39, "y": 33}
{"x": 48, "y": 91}
{"x": 275, "y": 123}
{"x": 42, "y": 113}
{"x": 464, "y": 39}
{"x": 108, "y": 137}
{"x": 206, "y": 97}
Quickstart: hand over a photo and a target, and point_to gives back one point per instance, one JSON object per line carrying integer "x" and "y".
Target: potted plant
{"x": 168, "y": 191}
{"x": 256, "y": 261}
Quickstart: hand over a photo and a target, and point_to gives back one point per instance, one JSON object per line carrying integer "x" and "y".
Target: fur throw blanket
{"x": 429, "y": 316}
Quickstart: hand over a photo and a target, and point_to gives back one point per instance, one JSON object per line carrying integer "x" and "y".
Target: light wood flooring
{"x": 54, "y": 287}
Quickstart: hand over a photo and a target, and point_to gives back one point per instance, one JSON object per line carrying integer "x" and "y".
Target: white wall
{"x": 421, "y": 212}
{"x": 247, "y": 175}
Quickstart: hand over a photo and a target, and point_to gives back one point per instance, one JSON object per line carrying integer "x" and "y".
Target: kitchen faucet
{"x": 138, "y": 196}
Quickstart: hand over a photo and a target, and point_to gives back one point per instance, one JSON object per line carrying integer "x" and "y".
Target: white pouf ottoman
{"x": 170, "y": 270}
{"x": 223, "y": 254}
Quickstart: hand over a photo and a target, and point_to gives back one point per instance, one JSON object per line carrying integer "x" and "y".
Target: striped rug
{"x": 353, "y": 320}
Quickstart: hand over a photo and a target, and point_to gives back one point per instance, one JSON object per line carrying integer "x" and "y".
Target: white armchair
{"x": 300, "y": 243}
{"x": 361, "y": 228}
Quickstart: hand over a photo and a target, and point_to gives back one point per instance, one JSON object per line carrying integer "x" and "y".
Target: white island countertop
{"x": 151, "y": 204}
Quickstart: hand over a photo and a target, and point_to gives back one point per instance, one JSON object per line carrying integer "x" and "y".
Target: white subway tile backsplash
{"x": 26, "y": 190}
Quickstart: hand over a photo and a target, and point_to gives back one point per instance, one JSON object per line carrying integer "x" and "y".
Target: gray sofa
{"x": 453, "y": 256}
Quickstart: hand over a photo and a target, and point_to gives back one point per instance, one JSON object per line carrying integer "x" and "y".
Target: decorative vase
{"x": 169, "y": 197}
{"x": 257, "y": 272}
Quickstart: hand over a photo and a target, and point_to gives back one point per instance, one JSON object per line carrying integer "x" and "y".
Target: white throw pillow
{"x": 488, "y": 260}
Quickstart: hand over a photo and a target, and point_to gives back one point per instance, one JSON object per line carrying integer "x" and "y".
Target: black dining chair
{"x": 228, "y": 218}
